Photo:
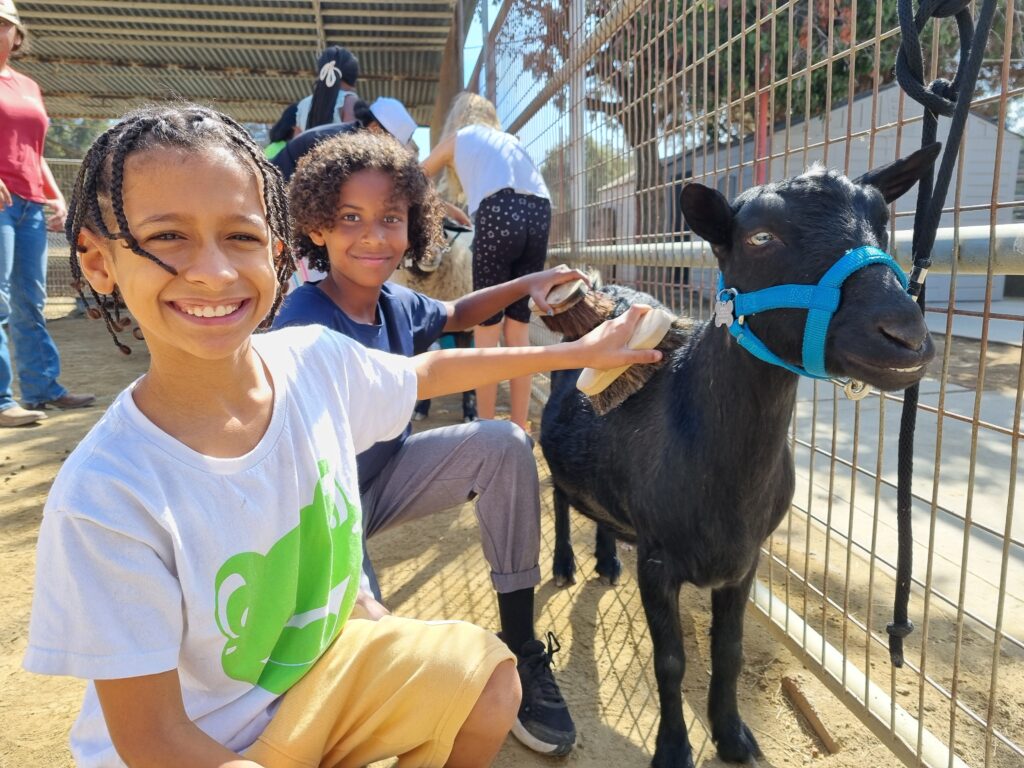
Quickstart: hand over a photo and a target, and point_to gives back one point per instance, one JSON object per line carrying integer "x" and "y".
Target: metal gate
{"x": 621, "y": 103}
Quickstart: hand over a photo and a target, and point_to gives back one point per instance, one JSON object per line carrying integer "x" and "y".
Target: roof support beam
{"x": 254, "y": 37}
{"x": 321, "y": 34}
{"x": 408, "y": 44}
{"x": 243, "y": 23}
{"x": 155, "y": 68}
{"x": 301, "y": 6}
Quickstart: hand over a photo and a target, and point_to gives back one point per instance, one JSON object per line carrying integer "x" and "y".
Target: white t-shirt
{"x": 306, "y": 103}
{"x": 487, "y": 160}
{"x": 237, "y": 572}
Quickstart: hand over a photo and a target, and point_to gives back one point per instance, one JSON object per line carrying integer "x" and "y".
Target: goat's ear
{"x": 894, "y": 179}
{"x": 707, "y": 213}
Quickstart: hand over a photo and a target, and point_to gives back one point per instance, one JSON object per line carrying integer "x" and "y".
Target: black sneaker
{"x": 543, "y": 723}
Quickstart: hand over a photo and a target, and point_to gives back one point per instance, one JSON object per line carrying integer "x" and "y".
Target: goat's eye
{"x": 760, "y": 238}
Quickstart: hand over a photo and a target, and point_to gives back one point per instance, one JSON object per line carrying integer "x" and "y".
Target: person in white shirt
{"x": 511, "y": 210}
{"x": 334, "y": 93}
{"x": 200, "y": 552}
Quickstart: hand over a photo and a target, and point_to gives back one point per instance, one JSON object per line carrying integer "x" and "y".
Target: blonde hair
{"x": 467, "y": 109}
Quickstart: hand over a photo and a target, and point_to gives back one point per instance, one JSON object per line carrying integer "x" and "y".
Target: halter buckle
{"x": 725, "y": 307}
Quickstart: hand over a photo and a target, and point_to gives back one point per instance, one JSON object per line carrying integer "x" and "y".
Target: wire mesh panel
{"x": 58, "y": 271}
{"x": 621, "y": 104}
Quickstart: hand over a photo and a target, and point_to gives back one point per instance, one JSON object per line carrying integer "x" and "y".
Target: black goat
{"x": 696, "y": 466}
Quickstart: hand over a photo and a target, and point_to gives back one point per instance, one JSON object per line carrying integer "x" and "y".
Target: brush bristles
{"x": 590, "y": 312}
{"x": 636, "y": 376}
{"x": 583, "y": 317}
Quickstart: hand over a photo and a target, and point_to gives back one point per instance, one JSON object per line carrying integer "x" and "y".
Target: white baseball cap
{"x": 392, "y": 114}
{"x": 10, "y": 13}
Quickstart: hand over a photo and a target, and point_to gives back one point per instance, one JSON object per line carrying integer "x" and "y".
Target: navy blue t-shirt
{"x": 410, "y": 323}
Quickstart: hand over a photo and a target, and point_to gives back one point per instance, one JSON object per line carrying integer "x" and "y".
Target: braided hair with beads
{"x": 98, "y": 189}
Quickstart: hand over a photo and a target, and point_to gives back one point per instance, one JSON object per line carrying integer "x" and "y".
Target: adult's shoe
{"x": 19, "y": 417}
{"x": 543, "y": 723}
{"x": 65, "y": 402}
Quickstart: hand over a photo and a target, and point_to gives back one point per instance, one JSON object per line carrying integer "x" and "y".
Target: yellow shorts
{"x": 394, "y": 687}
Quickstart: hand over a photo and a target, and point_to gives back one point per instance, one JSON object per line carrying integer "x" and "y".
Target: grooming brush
{"x": 576, "y": 310}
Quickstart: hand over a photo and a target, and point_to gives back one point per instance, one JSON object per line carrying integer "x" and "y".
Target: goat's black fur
{"x": 696, "y": 466}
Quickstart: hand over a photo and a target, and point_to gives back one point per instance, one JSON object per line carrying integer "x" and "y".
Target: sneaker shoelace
{"x": 539, "y": 665}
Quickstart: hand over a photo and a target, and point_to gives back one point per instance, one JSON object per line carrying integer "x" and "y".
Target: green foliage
{"x": 71, "y": 137}
{"x": 603, "y": 166}
{"x": 697, "y": 65}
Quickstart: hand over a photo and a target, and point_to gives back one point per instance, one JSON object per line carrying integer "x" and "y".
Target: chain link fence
{"x": 621, "y": 102}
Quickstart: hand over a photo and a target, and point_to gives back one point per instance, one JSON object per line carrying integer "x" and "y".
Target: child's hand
{"x": 541, "y": 283}
{"x": 367, "y": 607}
{"x": 457, "y": 215}
{"x": 606, "y": 346}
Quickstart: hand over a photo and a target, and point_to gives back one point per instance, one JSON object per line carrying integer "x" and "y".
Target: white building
{"x": 880, "y": 133}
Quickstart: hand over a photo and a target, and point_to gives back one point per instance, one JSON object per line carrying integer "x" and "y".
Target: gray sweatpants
{"x": 442, "y": 468}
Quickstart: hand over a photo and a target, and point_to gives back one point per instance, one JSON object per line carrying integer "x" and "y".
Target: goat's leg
{"x": 659, "y": 591}
{"x": 469, "y": 406}
{"x": 609, "y": 567}
{"x": 421, "y": 411}
{"x": 736, "y": 744}
{"x": 464, "y": 340}
{"x": 563, "y": 567}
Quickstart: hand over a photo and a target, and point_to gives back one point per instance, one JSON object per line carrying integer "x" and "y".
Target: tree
{"x": 603, "y": 166}
{"x": 71, "y": 137}
{"x": 682, "y": 73}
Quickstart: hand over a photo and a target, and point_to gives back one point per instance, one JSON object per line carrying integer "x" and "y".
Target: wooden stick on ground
{"x": 793, "y": 689}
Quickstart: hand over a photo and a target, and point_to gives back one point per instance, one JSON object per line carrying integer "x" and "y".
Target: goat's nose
{"x": 909, "y": 331}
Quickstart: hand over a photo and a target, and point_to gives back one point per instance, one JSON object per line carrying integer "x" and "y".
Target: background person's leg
{"x": 487, "y": 396}
{"x": 34, "y": 349}
{"x": 517, "y": 334}
{"x": 534, "y": 215}
{"x": 6, "y": 265}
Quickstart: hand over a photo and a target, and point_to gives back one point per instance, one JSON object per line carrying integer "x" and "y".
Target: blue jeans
{"x": 22, "y": 297}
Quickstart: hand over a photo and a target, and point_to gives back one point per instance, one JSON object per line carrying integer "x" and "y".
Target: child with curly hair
{"x": 360, "y": 204}
{"x": 200, "y": 552}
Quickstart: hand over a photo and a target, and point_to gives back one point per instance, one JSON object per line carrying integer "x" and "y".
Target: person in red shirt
{"x": 27, "y": 187}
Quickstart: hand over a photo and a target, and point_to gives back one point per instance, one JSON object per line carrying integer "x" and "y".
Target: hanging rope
{"x": 952, "y": 100}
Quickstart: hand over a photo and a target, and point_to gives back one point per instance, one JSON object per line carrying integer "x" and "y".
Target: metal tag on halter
{"x": 724, "y": 309}
{"x": 856, "y": 390}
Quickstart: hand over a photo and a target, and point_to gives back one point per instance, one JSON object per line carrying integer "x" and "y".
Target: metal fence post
{"x": 577, "y": 95}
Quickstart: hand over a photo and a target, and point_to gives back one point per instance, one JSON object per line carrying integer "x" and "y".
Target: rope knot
{"x": 899, "y": 628}
{"x": 944, "y": 9}
{"x": 943, "y": 89}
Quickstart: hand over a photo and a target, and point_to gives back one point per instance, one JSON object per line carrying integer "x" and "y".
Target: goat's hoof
{"x": 417, "y": 416}
{"x": 735, "y": 742}
{"x": 563, "y": 580}
{"x": 610, "y": 573}
{"x": 469, "y": 418}
{"x": 673, "y": 758}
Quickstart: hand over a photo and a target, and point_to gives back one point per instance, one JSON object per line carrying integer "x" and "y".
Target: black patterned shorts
{"x": 511, "y": 240}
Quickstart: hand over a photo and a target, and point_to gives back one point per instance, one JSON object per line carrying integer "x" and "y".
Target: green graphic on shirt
{"x": 280, "y": 611}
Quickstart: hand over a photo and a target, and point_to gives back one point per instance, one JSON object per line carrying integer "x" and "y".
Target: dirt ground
{"x": 431, "y": 570}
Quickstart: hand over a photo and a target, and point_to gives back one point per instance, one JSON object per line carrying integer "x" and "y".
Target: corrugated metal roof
{"x": 99, "y": 58}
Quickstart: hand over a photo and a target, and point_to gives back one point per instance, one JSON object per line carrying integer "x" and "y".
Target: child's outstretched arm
{"x": 473, "y": 308}
{"x": 456, "y": 370}
{"x": 148, "y": 725}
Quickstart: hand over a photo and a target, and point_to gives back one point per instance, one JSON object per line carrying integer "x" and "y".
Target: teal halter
{"x": 820, "y": 301}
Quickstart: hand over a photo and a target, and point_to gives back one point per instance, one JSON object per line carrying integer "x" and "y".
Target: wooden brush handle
{"x": 647, "y": 335}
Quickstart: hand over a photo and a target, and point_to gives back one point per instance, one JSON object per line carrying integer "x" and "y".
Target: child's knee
{"x": 498, "y": 704}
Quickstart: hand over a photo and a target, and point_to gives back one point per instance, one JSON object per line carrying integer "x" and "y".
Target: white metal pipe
{"x": 789, "y": 623}
{"x": 968, "y": 245}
